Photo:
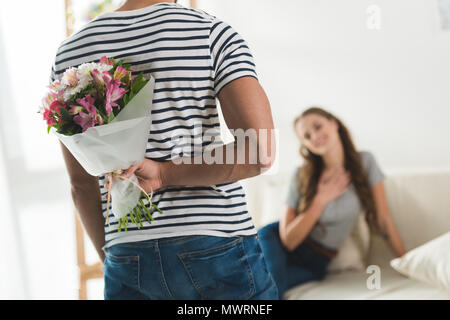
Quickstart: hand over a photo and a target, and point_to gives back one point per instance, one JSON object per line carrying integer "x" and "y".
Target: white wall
{"x": 389, "y": 85}
{"x": 36, "y": 211}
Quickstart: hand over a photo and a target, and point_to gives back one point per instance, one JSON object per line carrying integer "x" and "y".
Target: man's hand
{"x": 148, "y": 173}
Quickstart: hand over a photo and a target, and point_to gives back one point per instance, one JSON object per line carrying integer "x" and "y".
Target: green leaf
{"x": 147, "y": 213}
{"x": 138, "y": 219}
{"x": 66, "y": 115}
{"x": 125, "y": 99}
{"x": 156, "y": 207}
{"x": 110, "y": 118}
{"x": 126, "y": 223}
{"x": 138, "y": 83}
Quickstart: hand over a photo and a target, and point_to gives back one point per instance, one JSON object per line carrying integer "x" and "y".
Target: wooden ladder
{"x": 85, "y": 271}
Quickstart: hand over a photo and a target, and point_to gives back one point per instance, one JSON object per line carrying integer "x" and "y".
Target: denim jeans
{"x": 290, "y": 268}
{"x": 188, "y": 267}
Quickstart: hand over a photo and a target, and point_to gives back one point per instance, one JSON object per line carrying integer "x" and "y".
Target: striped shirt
{"x": 192, "y": 55}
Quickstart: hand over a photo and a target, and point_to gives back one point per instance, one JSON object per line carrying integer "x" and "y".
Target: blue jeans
{"x": 290, "y": 268}
{"x": 188, "y": 267}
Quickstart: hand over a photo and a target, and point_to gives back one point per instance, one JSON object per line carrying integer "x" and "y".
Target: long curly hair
{"x": 313, "y": 166}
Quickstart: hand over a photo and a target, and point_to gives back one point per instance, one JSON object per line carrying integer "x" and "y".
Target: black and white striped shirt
{"x": 192, "y": 56}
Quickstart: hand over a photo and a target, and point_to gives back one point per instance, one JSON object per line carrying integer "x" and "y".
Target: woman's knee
{"x": 269, "y": 230}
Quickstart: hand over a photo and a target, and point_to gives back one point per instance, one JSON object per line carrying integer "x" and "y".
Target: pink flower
{"x": 70, "y": 77}
{"x": 84, "y": 120}
{"x": 105, "y": 60}
{"x": 113, "y": 93}
{"x": 53, "y": 114}
{"x": 49, "y": 117}
{"x": 121, "y": 72}
{"x": 54, "y": 85}
{"x": 88, "y": 103}
{"x": 98, "y": 119}
{"x": 101, "y": 78}
{"x": 74, "y": 109}
{"x": 47, "y": 101}
{"x": 56, "y": 106}
{"x": 52, "y": 96}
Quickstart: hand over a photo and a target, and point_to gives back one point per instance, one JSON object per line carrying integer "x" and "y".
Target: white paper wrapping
{"x": 117, "y": 145}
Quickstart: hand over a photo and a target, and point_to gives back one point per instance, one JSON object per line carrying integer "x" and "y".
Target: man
{"x": 204, "y": 245}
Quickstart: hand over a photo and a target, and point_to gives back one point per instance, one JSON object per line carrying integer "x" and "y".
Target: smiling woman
{"x": 326, "y": 194}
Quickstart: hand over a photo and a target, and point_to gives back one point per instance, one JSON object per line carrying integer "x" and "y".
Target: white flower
{"x": 84, "y": 73}
{"x": 84, "y": 77}
{"x": 70, "y": 77}
{"x": 86, "y": 68}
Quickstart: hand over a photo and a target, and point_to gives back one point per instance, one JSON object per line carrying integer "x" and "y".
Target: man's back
{"x": 192, "y": 56}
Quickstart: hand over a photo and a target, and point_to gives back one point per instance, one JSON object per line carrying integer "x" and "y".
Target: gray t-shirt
{"x": 340, "y": 215}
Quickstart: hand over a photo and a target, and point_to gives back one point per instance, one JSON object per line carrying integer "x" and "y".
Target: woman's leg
{"x": 286, "y": 271}
{"x": 297, "y": 275}
{"x": 275, "y": 254}
{"x": 305, "y": 264}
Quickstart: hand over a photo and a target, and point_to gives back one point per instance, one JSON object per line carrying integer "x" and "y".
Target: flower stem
{"x": 138, "y": 214}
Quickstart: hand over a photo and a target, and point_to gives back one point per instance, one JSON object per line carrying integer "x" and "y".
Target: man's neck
{"x": 139, "y": 4}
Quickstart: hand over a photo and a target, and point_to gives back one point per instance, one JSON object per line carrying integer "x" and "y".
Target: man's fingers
{"x": 108, "y": 179}
{"x": 129, "y": 172}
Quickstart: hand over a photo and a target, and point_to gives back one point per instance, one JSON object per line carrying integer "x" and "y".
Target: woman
{"x": 325, "y": 197}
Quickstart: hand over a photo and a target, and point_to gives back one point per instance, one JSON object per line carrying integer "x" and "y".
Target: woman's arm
{"x": 295, "y": 228}
{"x": 385, "y": 220}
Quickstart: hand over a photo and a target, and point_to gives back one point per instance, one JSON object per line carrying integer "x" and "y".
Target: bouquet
{"x": 101, "y": 113}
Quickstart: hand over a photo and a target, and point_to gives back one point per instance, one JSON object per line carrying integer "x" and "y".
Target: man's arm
{"x": 87, "y": 200}
{"x": 245, "y": 106}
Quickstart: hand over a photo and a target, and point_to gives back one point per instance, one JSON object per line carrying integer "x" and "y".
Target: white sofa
{"x": 420, "y": 206}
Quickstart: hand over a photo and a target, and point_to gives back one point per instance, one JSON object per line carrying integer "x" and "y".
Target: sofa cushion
{"x": 353, "y": 253}
{"x": 352, "y": 285}
{"x": 420, "y": 205}
{"x": 429, "y": 262}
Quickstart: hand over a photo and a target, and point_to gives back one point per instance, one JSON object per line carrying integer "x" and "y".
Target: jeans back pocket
{"x": 222, "y": 272}
{"x": 120, "y": 272}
